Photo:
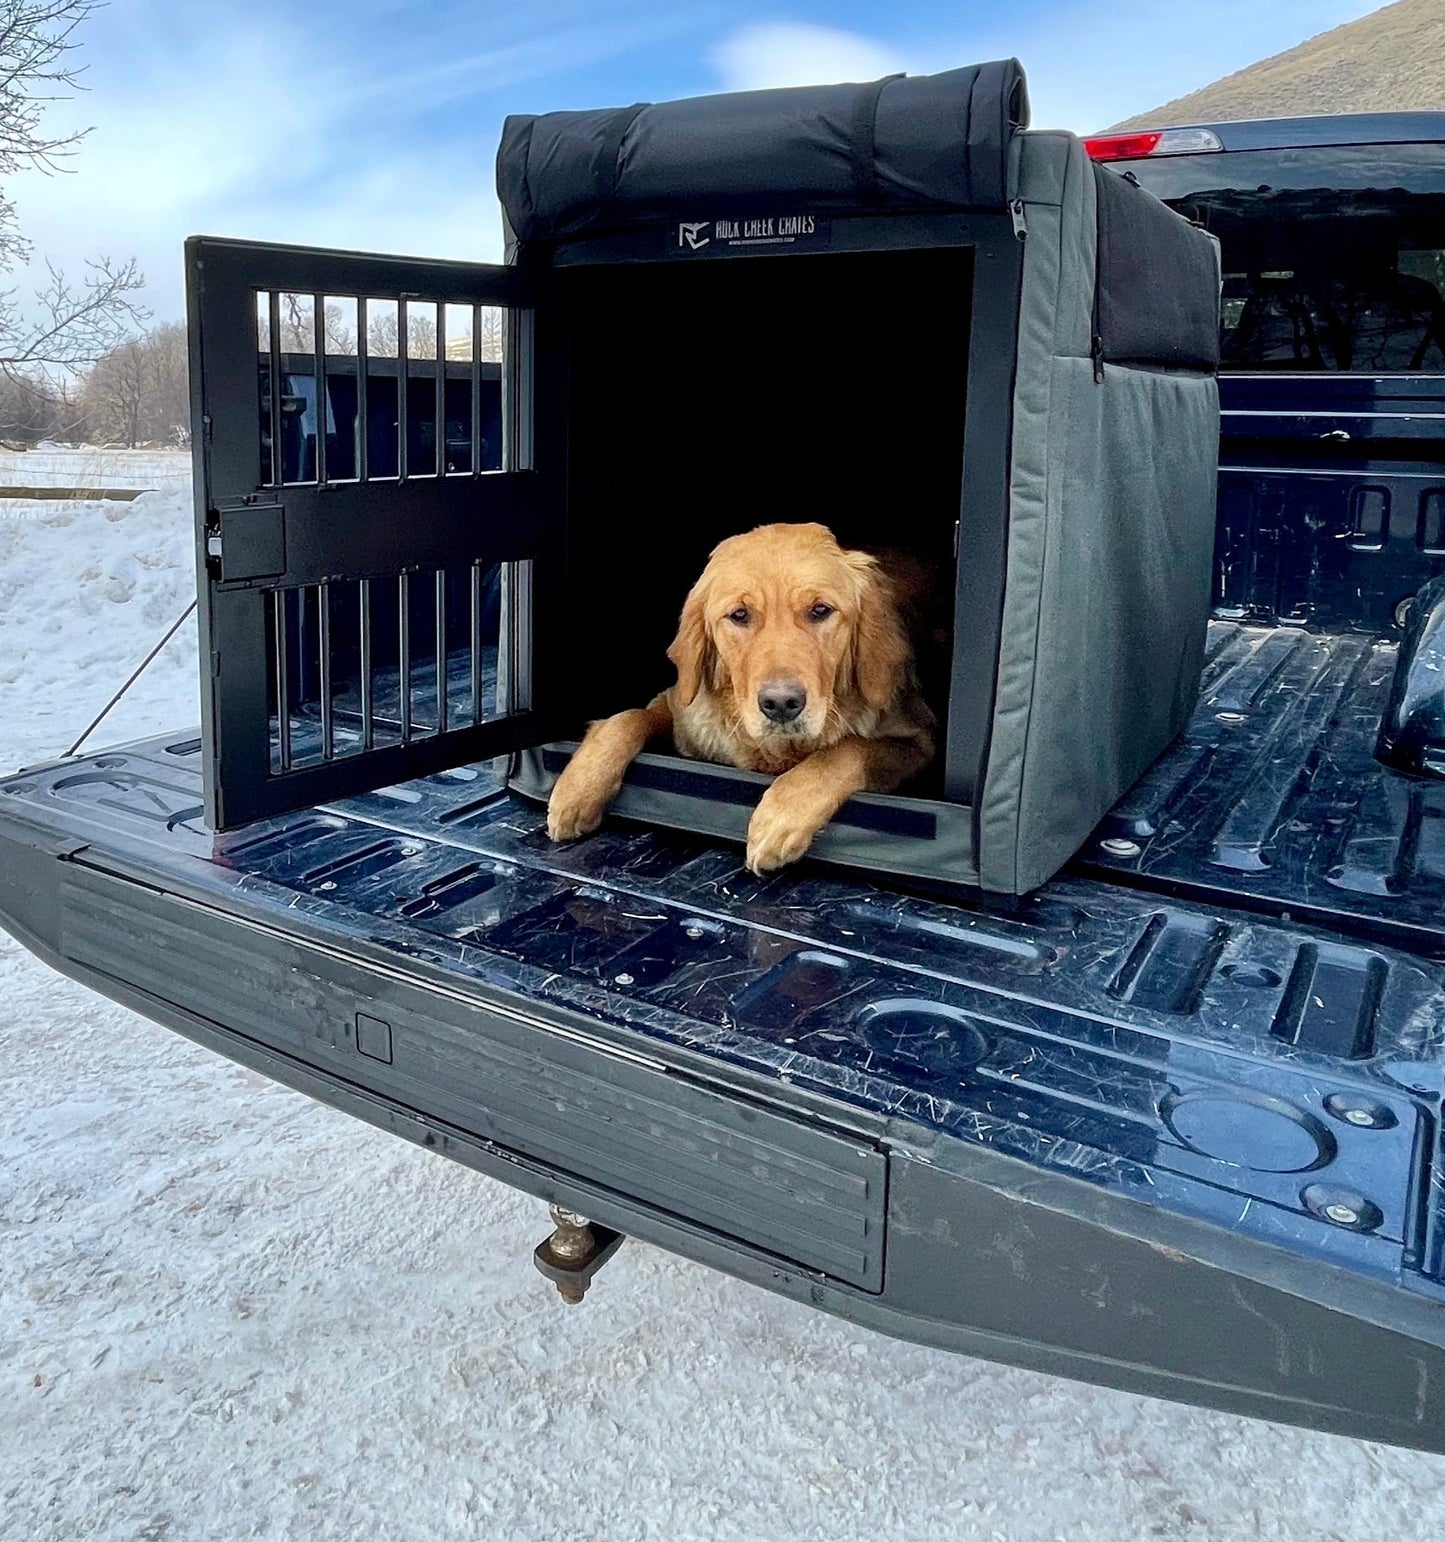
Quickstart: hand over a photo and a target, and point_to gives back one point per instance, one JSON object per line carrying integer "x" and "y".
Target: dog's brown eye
{"x": 820, "y": 612}
{"x": 738, "y": 617}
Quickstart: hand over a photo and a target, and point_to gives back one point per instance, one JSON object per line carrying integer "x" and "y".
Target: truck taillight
{"x": 1135, "y": 147}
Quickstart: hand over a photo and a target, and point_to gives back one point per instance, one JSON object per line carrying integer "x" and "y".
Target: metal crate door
{"x": 375, "y": 529}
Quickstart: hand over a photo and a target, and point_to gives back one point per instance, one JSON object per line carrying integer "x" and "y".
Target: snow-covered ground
{"x": 227, "y": 1312}
{"x": 86, "y": 590}
{"x": 50, "y": 465}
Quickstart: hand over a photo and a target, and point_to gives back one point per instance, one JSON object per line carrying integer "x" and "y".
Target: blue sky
{"x": 372, "y": 125}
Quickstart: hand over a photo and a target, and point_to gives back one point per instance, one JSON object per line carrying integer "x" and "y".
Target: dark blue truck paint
{"x": 1171, "y": 1124}
{"x": 1333, "y": 401}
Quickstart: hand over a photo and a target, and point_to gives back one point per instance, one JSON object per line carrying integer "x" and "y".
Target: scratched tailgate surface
{"x": 1274, "y": 800}
{"x": 1207, "y": 1058}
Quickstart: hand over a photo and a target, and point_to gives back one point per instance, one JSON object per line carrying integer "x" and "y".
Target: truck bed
{"x": 1273, "y": 800}
{"x": 1170, "y": 1124}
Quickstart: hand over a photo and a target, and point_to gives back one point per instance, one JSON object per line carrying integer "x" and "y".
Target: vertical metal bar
{"x": 476, "y": 643}
{"x": 403, "y": 317}
{"x": 441, "y": 619}
{"x": 514, "y": 639}
{"x": 278, "y": 463}
{"x": 300, "y": 656}
{"x": 441, "y": 395}
{"x": 318, "y": 320}
{"x": 503, "y": 703}
{"x": 362, "y": 423}
{"x": 403, "y": 654}
{"x": 518, "y": 341}
{"x": 368, "y": 712}
{"x": 283, "y": 689}
{"x": 520, "y": 698}
{"x": 476, "y": 429}
{"x": 323, "y": 645}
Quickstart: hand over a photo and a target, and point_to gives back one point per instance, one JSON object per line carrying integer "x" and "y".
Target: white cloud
{"x": 786, "y": 53}
{"x": 241, "y": 122}
{"x": 237, "y": 117}
{"x": 186, "y": 132}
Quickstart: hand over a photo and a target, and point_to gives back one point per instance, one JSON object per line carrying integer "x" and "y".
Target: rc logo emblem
{"x": 689, "y": 234}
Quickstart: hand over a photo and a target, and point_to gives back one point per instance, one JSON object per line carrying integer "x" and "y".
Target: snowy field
{"x": 226, "y": 1312}
{"x": 56, "y": 466}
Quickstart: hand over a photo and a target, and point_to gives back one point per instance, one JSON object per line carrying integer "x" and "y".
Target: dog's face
{"x": 795, "y": 632}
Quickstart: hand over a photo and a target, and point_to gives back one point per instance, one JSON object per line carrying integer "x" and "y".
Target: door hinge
{"x": 1016, "y": 213}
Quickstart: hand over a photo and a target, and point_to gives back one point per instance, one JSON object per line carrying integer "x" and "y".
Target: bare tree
{"x": 31, "y": 409}
{"x": 421, "y": 331}
{"x": 381, "y": 331}
{"x": 493, "y": 330}
{"x": 298, "y": 326}
{"x": 168, "y": 385}
{"x": 69, "y": 322}
{"x": 298, "y": 323}
{"x": 340, "y": 332}
{"x": 137, "y": 393}
{"x": 113, "y": 395}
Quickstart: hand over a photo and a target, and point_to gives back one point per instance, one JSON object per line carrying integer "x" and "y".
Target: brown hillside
{"x": 1392, "y": 60}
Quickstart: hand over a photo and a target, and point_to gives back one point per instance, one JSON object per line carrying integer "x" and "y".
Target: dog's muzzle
{"x": 782, "y": 701}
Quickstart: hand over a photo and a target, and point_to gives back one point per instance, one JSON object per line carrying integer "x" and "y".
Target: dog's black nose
{"x": 780, "y": 701}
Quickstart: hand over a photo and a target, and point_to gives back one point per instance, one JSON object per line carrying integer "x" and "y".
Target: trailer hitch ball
{"x": 574, "y": 1252}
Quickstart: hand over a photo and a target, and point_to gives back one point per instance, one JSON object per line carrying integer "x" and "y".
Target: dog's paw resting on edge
{"x": 793, "y": 658}
{"x": 594, "y": 775}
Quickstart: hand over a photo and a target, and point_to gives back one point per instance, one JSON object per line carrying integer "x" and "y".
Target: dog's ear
{"x": 692, "y": 650}
{"x": 880, "y": 651}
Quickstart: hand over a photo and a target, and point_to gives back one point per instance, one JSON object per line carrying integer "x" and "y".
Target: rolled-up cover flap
{"x": 905, "y": 142}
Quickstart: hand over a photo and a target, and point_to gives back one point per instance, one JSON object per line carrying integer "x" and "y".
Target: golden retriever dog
{"x": 793, "y": 658}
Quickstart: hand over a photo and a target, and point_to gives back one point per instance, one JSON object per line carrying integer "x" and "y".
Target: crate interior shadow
{"x": 710, "y": 397}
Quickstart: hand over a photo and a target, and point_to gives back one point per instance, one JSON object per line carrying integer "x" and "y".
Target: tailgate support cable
{"x": 139, "y": 670}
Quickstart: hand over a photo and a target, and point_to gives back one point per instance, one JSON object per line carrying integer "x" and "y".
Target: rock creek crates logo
{"x": 765, "y": 230}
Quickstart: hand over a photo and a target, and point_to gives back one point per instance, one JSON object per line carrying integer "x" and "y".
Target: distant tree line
{"x": 135, "y": 393}
{"x": 138, "y": 392}
{"x": 295, "y": 313}
{"x": 55, "y": 338}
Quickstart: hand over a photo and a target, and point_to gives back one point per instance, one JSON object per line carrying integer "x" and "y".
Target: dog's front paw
{"x": 780, "y": 830}
{"x": 574, "y": 809}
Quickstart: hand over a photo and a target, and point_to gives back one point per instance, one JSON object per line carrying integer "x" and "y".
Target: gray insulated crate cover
{"x": 934, "y": 141}
{"x": 1083, "y": 589}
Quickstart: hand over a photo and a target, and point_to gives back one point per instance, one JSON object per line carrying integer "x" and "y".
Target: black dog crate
{"x": 882, "y": 307}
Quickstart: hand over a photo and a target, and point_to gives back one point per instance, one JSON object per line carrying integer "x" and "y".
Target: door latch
{"x": 247, "y": 541}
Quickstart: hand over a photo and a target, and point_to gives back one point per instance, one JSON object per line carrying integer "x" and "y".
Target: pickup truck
{"x": 1171, "y": 1123}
